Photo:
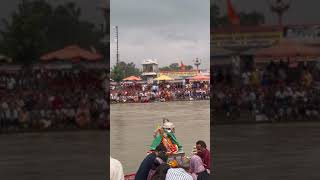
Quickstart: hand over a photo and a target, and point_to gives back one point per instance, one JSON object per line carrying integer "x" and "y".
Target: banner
{"x": 174, "y": 74}
{"x": 303, "y": 32}
{"x": 251, "y": 37}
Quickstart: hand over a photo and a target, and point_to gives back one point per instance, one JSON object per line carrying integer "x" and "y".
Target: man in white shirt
{"x": 116, "y": 170}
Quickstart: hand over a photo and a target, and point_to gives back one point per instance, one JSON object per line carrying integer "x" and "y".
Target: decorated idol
{"x": 166, "y": 136}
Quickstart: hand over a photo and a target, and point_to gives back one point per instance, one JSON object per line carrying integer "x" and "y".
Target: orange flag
{"x": 232, "y": 15}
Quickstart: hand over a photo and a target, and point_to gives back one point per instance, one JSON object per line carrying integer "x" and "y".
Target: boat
{"x": 174, "y": 148}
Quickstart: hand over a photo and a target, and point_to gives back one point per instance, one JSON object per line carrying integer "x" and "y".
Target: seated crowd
{"x": 52, "y": 99}
{"x": 271, "y": 94}
{"x": 163, "y": 92}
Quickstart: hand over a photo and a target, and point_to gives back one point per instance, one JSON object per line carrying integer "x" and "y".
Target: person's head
{"x": 161, "y": 150}
{"x": 185, "y": 164}
{"x": 196, "y": 164}
{"x": 201, "y": 146}
{"x": 168, "y": 126}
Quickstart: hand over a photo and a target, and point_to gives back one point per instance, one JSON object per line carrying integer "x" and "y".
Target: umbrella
{"x": 132, "y": 78}
{"x": 200, "y": 78}
{"x": 163, "y": 78}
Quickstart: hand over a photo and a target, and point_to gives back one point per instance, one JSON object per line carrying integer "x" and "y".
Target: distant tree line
{"x": 37, "y": 27}
{"x": 123, "y": 70}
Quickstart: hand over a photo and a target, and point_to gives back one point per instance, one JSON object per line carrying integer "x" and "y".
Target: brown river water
{"x": 80, "y": 155}
{"x": 132, "y": 127}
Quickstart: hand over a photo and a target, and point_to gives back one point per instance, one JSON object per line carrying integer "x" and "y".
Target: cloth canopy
{"x": 200, "y": 78}
{"x": 163, "y": 78}
{"x": 288, "y": 48}
{"x": 73, "y": 52}
{"x": 132, "y": 78}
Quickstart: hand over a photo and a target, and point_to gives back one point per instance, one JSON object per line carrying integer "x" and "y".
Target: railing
{"x": 129, "y": 177}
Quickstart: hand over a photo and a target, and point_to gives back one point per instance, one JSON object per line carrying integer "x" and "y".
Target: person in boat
{"x": 199, "y": 172}
{"x": 116, "y": 170}
{"x": 203, "y": 153}
{"x": 179, "y": 171}
{"x": 161, "y": 172}
{"x": 148, "y": 162}
{"x": 160, "y": 160}
{"x": 165, "y": 135}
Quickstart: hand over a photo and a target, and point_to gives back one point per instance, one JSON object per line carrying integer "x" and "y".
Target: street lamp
{"x": 105, "y": 8}
{"x": 279, "y": 7}
{"x": 197, "y": 63}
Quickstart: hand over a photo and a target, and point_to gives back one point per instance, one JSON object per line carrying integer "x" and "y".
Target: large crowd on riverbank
{"x": 144, "y": 93}
{"x": 52, "y": 99}
{"x": 277, "y": 93}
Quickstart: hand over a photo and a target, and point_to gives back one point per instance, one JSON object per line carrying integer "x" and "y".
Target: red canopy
{"x": 200, "y": 78}
{"x": 73, "y": 52}
{"x": 132, "y": 78}
{"x": 288, "y": 48}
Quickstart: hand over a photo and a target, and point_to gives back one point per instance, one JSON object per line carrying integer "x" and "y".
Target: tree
{"x": 24, "y": 37}
{"x": 123, "y": 70}
{"x": 37, "y": 28}
{"x": 189, "y": 67}
{"x": 117, "y": 74}
{"x": 251, "y": 18}
{"x": 174, "y": 67}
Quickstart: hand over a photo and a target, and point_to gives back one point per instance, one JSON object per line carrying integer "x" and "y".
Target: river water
{"x": 132, "y": 127}
{"x": 267, "y": 151}
{"x": 78, "y": 155}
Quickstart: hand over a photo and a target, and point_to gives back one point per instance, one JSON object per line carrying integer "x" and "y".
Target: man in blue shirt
{"x": 146, "y": 165}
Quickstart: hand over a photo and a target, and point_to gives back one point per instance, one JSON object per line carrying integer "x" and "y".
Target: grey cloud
{"x": 168, "y": 30}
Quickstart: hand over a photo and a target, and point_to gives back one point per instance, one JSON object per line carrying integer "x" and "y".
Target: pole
{"x": 117, "y": 39}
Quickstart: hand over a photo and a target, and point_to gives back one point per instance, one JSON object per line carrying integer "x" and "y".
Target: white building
{"x": 150, "y": 69}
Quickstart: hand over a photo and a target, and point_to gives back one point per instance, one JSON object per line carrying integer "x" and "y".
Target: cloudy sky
{"x": 166, "y": 30}
{"x": 170, "y": 30}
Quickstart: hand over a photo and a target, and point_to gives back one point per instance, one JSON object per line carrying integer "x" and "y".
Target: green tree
{"x": 174, "y": 67}
{"x": 123, "y": 70}
{"x": 251, "y": 18}
{"x": 117, "y": 74}
{"x": 24, "y": 38}
{"x": 37, "y": 28}
{"x": 189, "y": 67}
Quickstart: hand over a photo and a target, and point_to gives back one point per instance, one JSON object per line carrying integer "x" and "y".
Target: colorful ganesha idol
{"x": 165, "y": 135}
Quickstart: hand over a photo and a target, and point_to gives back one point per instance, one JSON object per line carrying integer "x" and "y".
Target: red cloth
{"x": 206, "y": 158}
{"x": 232, "y": 15}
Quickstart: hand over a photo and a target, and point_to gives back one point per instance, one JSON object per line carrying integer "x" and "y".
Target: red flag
{"x": 232, "y": 15}
{"x": 182, "y": 66}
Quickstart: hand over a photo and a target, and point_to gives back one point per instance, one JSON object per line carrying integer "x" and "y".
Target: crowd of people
{"x": 156, "y": 166}
{"x": 277, "y": 93}
{"x": 52, "y": 99}
{"x": 137, "y": 92}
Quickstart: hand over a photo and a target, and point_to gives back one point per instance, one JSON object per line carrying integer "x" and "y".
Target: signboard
{"x": 174, "y": 74}
{"x": 248, "y": 37}
{"x": 303, "y": 32}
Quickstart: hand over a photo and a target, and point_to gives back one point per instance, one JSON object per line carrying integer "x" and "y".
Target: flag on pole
{"x": 232, "y": 15}
{"x": 182, "y": 66}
